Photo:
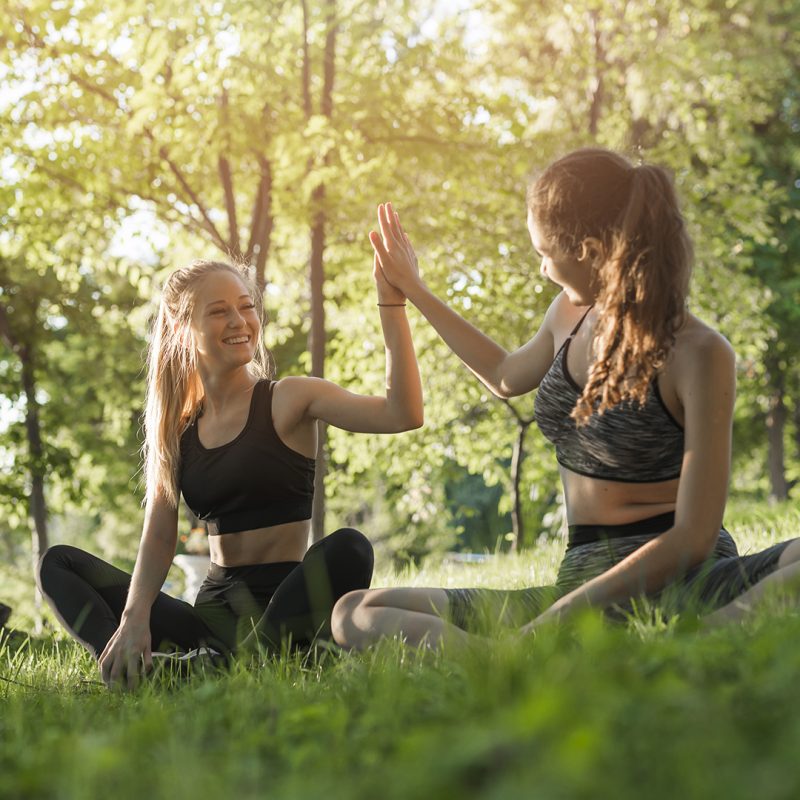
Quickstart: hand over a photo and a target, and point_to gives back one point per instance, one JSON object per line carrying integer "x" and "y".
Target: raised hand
{"x": 393, "y": 251}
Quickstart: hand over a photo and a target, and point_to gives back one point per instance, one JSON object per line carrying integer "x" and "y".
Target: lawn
{"x": 587, "y": 711}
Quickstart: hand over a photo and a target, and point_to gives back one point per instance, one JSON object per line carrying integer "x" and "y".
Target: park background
{"x": 135, "y": 136}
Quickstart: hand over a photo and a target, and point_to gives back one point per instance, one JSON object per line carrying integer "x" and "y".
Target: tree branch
{"x": 524, "y": 422}
{"x": 208, "y": 224}
{"x": 227, "y": 181}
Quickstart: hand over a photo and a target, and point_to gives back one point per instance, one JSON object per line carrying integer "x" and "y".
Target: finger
{"x": 105, "y": 672}
{"x": 132, "y": 672}
{"x": 115, "y": 675}
{"x": 378, "y": 244}
{"x": 385, "y": 224}
{"x": 147, "y": 660}
{"x": 107, "y": 648}
{"x": 396, "y": 226}
{"x": 106, "y": 663}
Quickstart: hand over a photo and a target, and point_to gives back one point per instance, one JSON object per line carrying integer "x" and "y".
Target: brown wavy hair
{"x": 641, "y": 268}
{"x": 174, "y": 390}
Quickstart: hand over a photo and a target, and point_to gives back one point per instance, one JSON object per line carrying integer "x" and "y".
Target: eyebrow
{"x": 214, "y": 302}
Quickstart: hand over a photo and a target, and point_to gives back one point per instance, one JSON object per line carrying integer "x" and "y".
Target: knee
{"x": 357, "y": 547}
{"x": 343, "y": 619}
{"x": 56, "y": 557}
{"x": 790, "y": 554}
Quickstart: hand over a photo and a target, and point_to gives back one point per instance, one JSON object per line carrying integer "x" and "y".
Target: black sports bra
{"x": 630, "y": 443}
{"x": 253, "y": 481}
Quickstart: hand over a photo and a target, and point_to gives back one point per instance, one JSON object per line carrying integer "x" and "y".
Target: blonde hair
{"x": 641, "y": 272}
{"x": 174, "y": 389}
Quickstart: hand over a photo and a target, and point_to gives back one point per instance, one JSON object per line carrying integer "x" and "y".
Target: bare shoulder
{"x": 562, "y": 316}
{"x": 701, "y": 356}
{"x": 698, "y": 343}
{"x": 291, "y": 397}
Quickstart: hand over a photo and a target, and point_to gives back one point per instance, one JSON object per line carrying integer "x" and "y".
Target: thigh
{"x": 483, "y": 610}
{"x": 717, "y": 583}
{"x": 422, "y": 600}
{"x": 302, "y": 605}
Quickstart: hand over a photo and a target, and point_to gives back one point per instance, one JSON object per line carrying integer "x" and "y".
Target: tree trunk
{"x": 316, "y": 346}
{"x": 317, "y": 334}
{"x": 776, "y": 425}
{"x": 37, "y": 506}
{"x": 517, "y": 457}
{"x": 796, "y": 418}
{"x": 597, "y": 94}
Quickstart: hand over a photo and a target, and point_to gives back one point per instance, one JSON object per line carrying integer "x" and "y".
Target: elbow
{"x": 408, "y": 420}
{"x": 700, "y": 549}
{"x": 412, "y": 422}
{"x": 704, "y": 549}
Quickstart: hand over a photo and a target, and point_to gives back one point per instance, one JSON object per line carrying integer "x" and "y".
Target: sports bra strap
{"x": 580, "y": 321}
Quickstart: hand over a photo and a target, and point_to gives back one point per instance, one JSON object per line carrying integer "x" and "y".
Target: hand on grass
{"x": 126, "y": 656}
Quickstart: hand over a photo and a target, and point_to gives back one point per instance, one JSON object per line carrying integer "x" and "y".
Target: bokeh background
{"x": 135, "y": 136}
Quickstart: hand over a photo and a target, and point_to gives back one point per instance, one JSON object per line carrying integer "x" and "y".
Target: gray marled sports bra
{"x": 630, "y": 443}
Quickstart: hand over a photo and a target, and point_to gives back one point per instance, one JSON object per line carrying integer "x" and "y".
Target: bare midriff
{"x": 593, "y": 501}
{"x": 286, "y": 542}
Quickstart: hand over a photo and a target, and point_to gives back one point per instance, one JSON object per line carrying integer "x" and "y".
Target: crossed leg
{"x": 417, "y": 615}
{"x": 432, "y": 616}
{"x": 786, "y": 575}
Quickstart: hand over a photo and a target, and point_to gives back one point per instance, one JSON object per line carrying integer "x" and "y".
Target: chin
{"x": 579, "y": 299}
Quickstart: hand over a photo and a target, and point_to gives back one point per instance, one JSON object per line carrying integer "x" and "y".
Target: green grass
{"x": 586, "y": 711}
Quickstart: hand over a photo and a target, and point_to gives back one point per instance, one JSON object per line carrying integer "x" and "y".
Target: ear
{"x": 592, "y": 249}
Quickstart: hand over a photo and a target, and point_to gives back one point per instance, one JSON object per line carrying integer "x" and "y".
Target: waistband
{"x": 585, "y": 534}
{"x": 271, "y": 573}
{"x": 236, "y": 521}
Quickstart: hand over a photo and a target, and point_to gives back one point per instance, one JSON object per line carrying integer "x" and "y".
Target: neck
{"x": 222, "y": 388}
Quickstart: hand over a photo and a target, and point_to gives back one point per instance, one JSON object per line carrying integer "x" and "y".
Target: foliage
{"x": 72, "y": 311}
{"x": 191, "y": 116}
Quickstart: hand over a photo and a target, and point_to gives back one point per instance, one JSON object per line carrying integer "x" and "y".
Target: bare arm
{"x": 706, "y": 387}
{"x": 130, "y": 644}
{"x": 505, "y": 374}
{"x": 400, "y": 409}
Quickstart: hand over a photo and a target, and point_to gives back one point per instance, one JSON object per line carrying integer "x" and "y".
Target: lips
{"x": 237, "y": 340}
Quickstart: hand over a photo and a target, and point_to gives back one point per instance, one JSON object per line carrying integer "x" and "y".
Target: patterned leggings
{"x": 594, "y": 549}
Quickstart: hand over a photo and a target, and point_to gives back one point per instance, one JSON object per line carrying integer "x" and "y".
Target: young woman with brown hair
{"x": 634, "y": 391}
{"x": 240, "y": 447}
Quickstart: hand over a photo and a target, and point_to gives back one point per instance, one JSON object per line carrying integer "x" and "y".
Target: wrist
{"x": 135, "y": 616}
{"x": 416, "y": 290}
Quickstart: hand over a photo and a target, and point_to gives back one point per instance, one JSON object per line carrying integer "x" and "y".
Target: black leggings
{"x": 236, "y": 608}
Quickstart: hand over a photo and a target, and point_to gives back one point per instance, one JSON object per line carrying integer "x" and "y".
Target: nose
{"x": 235, "y": 320}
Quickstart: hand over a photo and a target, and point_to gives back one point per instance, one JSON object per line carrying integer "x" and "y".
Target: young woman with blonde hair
{"x": 636, "y": 394}
{"x": 240, "y": 447}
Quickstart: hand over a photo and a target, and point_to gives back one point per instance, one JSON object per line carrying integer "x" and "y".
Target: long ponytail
{"x": 641, "y": 273}
{"x": 174, "y": 389}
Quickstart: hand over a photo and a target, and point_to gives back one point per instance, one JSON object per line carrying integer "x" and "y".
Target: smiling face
{"x": 225, "y": 324}
{"x": 574, "y": 275}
